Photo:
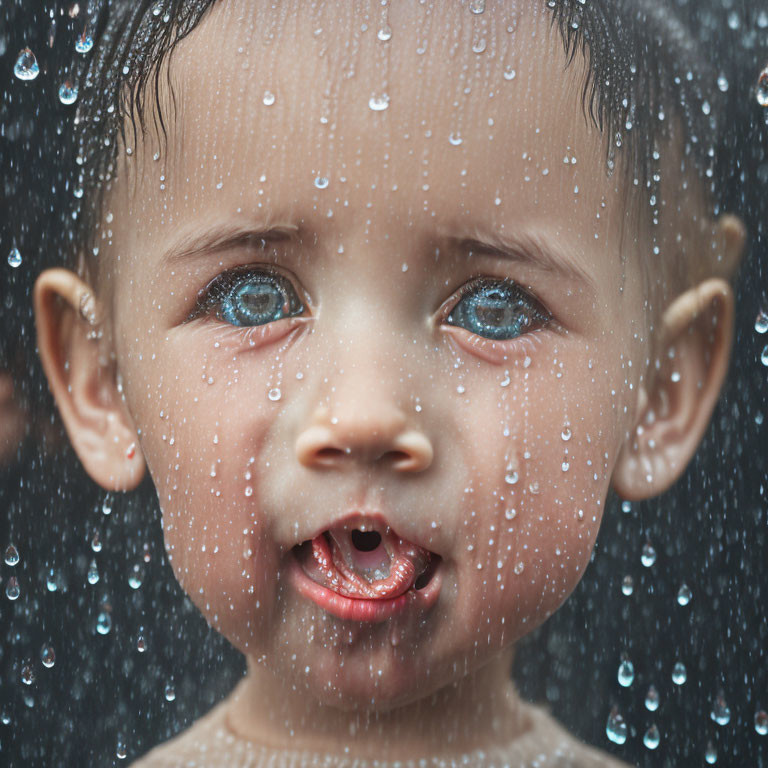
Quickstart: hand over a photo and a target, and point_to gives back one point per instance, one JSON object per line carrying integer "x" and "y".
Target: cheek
{"x": 202, "y": 433}
{"x": 545, "y": 446}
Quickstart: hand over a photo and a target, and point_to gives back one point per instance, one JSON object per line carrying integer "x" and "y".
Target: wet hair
{"x": 646, "y": 83}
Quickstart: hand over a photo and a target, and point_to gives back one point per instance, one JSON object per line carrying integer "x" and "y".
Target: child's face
{"x": 495, "y": 455}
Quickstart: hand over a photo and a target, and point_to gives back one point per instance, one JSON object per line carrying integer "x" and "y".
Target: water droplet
{"x": 274, "y": 394}
{"x": 12, "y": 590}
{"x": 170, "y": 692}
{"x": 616, "y": 728}
{"x": 684, "y": 594}
{"x": 721, "y": 712}
{"x": 27, "y": 674}
{"x": 679, "y": 673}
{"x": 385, "y": 33}
{"x": 512, "y": 476}
{"x": 477, "y": 6}
{"x": 764, "y": 355}
{"x": 761, "y": 722}
{"x": 268, "y": 99}
{"x": 84, "y": 43}
{"x": 626, "y": 674}
{"x": 648, "y": 556}
{"x": 626, "y": 507}
{"x": 510, "y": 514}
{"x": 11, "y": 555}
{"x": 321, "y": 182}
{"x": 135, "y": 577}
{"x": 104, "y": 623}
{"x": 14, "y": 258}
{"x": 47, "y": 656}
{"x": 722, "y": 83}
{"x": 5, "y": 717}
{"x": 519, "y": 568}
{"x": 378, "y": 103}
{"x": 706, "y": 107}
{"x": 121, "y": 752}
{"x": 455, "y": 139}
{"x": 67, "y": 92}
{"x": 106, "y": 507}
{"x": 509, "y": 73}
{"x": 93, "y": 572}
{"x": 566, "y": 434}
{"x": 762, "y": 88}
{"x": 627, "y": 586}
{"x": 710, "y": 754}
{"x": 26, "y": 67}
{"x": 51, "y": 582}
{"x": 141, "y": 644}
{"x": 652, "y": 737}
{"x": 479, "y": 45}
{"x": 96, "y": 542}
{"x": 761, "y": 321}
{"x": 652, "y": 699}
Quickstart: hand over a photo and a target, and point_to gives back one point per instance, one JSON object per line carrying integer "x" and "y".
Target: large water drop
{"x": 626, "y": 674}
{"x": 14, "y": 258}
{"x": 652, "y": 737}
{"x": 68, "y": 92}
{"x": 378, "y": 103}
{"x": 84, "y": 43}
{"x": 11, "y": 555}
{"x": 721, "y": 712}
{"x": 26, "y": 67}
{"x": 762, "y": 88}
{"x": 616, "y": 727}
{"x": 679, "y": 673}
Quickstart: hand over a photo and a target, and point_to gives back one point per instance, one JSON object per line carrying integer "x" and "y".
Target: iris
{"x": 251, "y": 297}
{"x": 496, "y": 309}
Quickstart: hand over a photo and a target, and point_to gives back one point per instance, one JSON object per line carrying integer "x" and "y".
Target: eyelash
{"x": 222, "y": 287}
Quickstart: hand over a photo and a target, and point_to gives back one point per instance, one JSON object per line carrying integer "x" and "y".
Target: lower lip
{"x": 352, "y": 609}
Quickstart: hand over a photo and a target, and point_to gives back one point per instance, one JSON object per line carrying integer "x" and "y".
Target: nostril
{"x": 329, "y": 455}
{"x": 366, "y": 541}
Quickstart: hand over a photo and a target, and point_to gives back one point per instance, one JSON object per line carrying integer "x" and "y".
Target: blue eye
{"x": 497, "y": 309}
{"x": 250, "y": 297}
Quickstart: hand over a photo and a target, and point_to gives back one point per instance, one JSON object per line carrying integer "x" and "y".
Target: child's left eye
{"x": 249, "y": 297}
{"x": 497, "y": 309}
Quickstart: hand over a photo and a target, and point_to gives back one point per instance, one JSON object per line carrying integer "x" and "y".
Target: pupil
{"x": 366, "y": 541}
{"x": 261, "y": 302}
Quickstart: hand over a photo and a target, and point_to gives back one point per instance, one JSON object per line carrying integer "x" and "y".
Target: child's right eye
{"x": 249, "y": 296}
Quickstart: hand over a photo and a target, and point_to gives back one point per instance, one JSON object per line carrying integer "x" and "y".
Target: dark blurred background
{"x": 134, "y": 663}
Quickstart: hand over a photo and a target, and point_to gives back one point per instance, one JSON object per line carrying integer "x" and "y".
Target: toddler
{"x": 386, "y": 297}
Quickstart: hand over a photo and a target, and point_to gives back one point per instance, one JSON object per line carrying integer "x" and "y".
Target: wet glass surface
{"x": 657, "y": 657}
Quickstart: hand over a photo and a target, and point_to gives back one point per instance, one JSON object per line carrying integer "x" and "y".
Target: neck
{"x": 477, "y": 712}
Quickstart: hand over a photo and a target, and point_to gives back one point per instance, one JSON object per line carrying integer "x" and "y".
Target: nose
{"x": 363, "y": 431}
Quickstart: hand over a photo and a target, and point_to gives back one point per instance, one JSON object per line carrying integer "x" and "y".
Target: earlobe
{"x": 677, "y": 405}
{"x": 83, "y": 381}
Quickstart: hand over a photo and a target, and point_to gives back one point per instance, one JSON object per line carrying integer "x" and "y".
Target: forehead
{"x": 409, "y": 113}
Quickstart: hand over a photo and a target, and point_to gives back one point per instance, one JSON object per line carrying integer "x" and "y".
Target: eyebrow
{"x": 225, "y": 238}
{"x": 538, "y": 250}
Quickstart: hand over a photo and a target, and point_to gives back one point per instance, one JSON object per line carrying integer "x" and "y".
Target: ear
{"x": 83, "y": 380}
{"x": 675, "y": 410}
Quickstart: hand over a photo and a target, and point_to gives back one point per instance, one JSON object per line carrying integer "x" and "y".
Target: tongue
{"x": 384, "y": 572}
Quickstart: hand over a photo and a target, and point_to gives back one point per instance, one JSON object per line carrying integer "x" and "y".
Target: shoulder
{"x": 560, "y": 749}
{"x": 205, "y": 744}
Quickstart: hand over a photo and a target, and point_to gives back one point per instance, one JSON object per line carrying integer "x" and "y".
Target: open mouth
{"x": 364, "y": 571}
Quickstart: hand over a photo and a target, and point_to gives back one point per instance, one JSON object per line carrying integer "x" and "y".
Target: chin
{"x": 353, "y": 668}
